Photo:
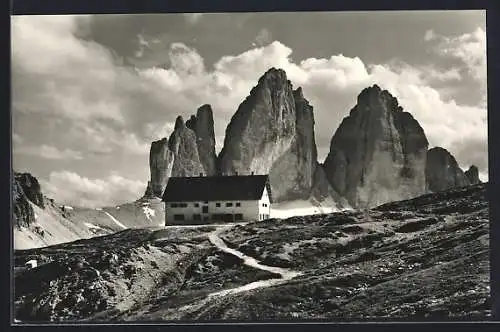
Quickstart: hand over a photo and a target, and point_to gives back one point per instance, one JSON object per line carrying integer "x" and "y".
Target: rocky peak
{"x": 374, "y": 98}
{"x": 189, "y": 151}
{"x": 473, "y": 175}
{"x": 442, "y": 171}
{"x": 31, "y": 187}
{"x": 273, "y": 76}
{"x": 272, "y": 132}
{"x": 378, "y": 152}
{"x": 179, "y": 123}
{"x": 203, "y": 126}
{"x": 25, "y": 188}
{"x": 263, "y": 124}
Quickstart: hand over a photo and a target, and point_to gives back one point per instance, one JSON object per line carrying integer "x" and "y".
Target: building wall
{"x": 264, "y": 206}
{"x": 248, "y": 209}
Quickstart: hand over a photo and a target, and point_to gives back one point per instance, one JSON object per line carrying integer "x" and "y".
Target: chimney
{"x": 201, "y": 174}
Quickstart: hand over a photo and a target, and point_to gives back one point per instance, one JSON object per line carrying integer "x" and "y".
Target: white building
{"x": 216, "y": 199}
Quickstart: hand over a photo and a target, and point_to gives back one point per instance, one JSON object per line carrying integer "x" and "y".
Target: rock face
{"x": 378, "y": 153}
{"x": 177, "y": 156}
{"x": 442, "y": 171}
{"x": 272, "y": 132}
{"x": 203, "y": 126}
{"x": 472, "y": 175}
{"x": 30, "y": 187}
{"x": 23, "y": 214}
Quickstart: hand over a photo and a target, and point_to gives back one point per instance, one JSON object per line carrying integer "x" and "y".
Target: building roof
{"x": 216, "y": 188}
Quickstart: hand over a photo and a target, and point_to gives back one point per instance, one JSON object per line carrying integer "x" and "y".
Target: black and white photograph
{"x": 250, "y": 167}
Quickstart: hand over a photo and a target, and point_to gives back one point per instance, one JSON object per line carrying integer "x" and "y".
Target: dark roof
{"x": 216, "y": 188}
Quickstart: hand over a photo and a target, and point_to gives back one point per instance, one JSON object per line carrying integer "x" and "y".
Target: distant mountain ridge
{"x": 39, "y": 221}
{"x": 378, "y": 154}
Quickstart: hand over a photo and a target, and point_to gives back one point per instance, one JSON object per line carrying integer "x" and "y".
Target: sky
{"x": 90, "y": 93}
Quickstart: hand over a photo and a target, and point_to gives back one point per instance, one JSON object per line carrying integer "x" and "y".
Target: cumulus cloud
{"x": 48, "y": 152}
{"x": 469, "y": 49}
{"x": 115, "y": 110}
{"x": 193, "y": 18}
{"x": 70, "y": 188}
{"x": 16, "y": 139}
{"x": 263, "y": 37}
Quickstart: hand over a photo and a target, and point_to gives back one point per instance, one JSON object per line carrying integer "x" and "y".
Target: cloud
{"x": 16, "y": 139}
{"x": 469, "y": 49}
{"x": 429, "y": 35}
{"x": 264, "y": 37}
{"x": 48, "y": 152}
{"x": 193, "y": 18}
{"x": 70, "y": 188}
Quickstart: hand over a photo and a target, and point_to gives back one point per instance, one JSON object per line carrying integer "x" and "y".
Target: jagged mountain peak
{"x": 372, "y": 96}
{"x": 274, "y": 73}
{"x": 298, "y": 93}
{"x": 442, "y": 170}
{"x": 473, "y": 174}
{"x": 378, "y": 152}
{"x": 31, "y": 187}
{"x": 179, "y": 122}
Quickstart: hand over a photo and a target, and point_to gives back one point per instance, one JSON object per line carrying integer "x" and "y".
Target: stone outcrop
{"x": 378, "y": 153}
{"x": 25, "y": 189}
{"x": 272, "y": 132}
{"x": 31, "y": 188}
{"x": 472, "y": 175}
{"x": 23, "y": 213}
{"x": 203, "y": 126}
{"x": 177, "y": 156}
{"x": 442, "y": 171}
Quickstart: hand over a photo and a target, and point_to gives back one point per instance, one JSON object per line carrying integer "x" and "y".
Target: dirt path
{"x": 213, "y": 298}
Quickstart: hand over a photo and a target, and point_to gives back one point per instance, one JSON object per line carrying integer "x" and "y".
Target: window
{"x": 178, "y": 217}
{"x": 217, "y": 204}
{"x": 174, "y": 205}
{"x": 238, "y": 216}
{"x": 196, "y": 217}
{"x": 204, "y": 209}
{"x": 184, "y": 205}
{"x": 229, "y": 204}
{"x": 238, "y": 204}
{"x": 228, "y": 217}
{"x": 206, "y": 202}
{"x": 196, "y": 205}
{"x": 264, "y": 204}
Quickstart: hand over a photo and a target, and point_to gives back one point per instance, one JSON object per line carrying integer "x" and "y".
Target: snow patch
{"x": 299, "y": 208}
{"x": 115, "y": 220}
{"x": 118, "y": 208}
{"x": 98, "y": 209}
{"x": 89, "y": 225}
{"x": 149, "y": 212}
{"x": 67, "y": 207}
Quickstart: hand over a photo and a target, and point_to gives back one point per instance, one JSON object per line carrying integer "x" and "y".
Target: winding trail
{"x": 215, "y": 239}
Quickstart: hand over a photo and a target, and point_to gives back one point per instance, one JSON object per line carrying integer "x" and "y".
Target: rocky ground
{"x": 426, "y": 258}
